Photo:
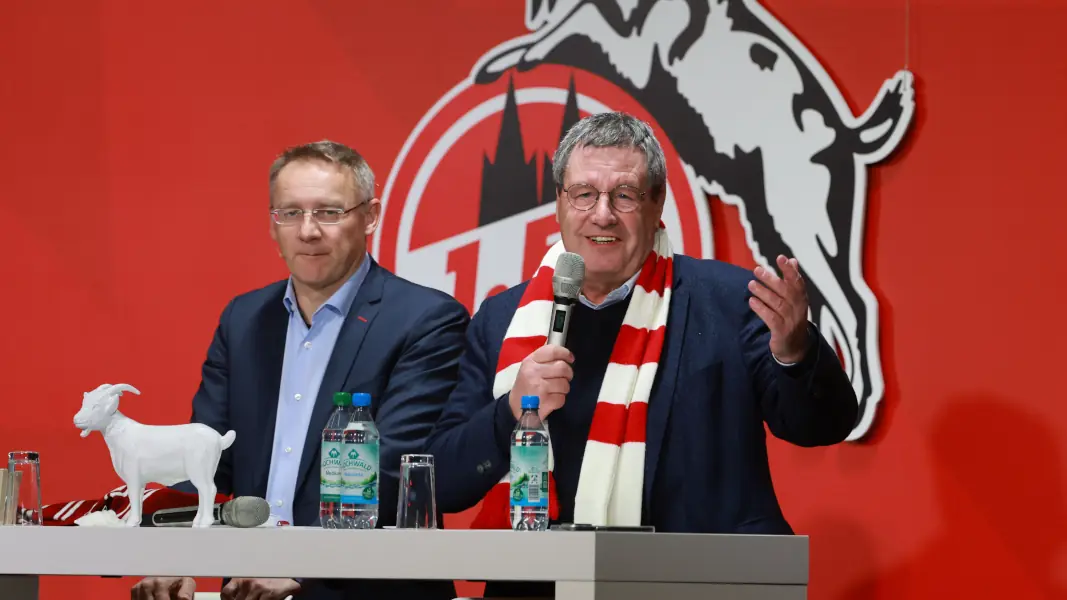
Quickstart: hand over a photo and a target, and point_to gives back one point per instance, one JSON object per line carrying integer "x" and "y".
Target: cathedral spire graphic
{"x": 509, "y": 180}
{"x": 570, "y": 117}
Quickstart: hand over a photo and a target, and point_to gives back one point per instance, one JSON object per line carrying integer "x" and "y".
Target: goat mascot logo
{"x": 744, "y": 110}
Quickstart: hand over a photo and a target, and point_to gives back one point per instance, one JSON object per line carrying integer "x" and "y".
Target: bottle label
{"x": 529, "y": 476}
{"x": 359, "y": 472}
{"x": 330, "y": 472}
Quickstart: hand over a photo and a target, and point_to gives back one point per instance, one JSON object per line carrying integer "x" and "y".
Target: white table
{"x": 585, "y": 565}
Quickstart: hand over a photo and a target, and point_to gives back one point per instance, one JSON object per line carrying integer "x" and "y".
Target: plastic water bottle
{"x": 359, "y": 467}
{"x": 330, "y": 462}
{"x": 529, "y": 469}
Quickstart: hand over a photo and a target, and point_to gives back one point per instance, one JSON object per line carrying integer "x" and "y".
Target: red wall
{"x": 135, "y": 147}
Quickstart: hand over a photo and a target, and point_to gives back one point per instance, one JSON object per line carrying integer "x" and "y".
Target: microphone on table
{"x": 566, "y": 285}
{"x": 242, "y": 511}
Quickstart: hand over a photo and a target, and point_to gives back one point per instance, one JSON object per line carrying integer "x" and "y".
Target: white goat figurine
{"x": 143, "y": 454}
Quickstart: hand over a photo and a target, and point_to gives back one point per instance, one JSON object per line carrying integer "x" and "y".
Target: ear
{"x": 374, "y": 216}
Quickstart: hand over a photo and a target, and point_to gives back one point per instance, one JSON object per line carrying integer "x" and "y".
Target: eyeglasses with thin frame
{"x": 322, "y": 216}
{"x": 623, "y": 198}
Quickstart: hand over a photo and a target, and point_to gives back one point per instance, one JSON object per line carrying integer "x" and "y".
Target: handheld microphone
{"x": 566, "y": 285}
{"x": 242, "y": 511}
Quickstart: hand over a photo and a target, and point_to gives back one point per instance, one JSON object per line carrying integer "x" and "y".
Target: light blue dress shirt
{"x": 617, "y": 295}
{"x": 307, "y": 352}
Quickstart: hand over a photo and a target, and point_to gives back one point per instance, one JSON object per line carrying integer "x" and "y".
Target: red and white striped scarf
{"x": 611, "y": 481}
{"x": 155, "y": 497}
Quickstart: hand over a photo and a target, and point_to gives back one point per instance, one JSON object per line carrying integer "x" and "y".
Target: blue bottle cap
{"x": 360, "y": 399}
{"x": 530, "y": 402}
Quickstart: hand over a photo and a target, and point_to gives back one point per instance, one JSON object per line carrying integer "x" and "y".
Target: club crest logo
{"x": 744, "y": 111}
{"x": 471, "y": 202}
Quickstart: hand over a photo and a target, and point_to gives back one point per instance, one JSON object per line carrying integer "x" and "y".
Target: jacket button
{"x": 481, "y": 469}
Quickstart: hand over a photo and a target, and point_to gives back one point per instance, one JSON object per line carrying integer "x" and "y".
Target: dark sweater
{"x": 590, "y": 338}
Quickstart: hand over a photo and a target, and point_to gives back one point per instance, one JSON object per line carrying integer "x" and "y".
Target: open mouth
{"x": 603, "y": 240}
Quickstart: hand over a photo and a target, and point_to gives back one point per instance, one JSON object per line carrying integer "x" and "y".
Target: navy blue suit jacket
{"x": 400, "y": 343}
{"x": 706, "y": 468}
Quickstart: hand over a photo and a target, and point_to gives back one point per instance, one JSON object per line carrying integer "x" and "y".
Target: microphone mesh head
{"x": 246, "y": 511}
{"x": 569, "y": 275}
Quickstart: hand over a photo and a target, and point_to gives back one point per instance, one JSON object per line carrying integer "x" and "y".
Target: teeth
{"x": 603, "y": 240}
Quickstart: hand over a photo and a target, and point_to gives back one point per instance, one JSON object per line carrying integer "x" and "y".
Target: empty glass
{"x": 417, "y": 503}
{"x": 24, "y": 498}
{"x": 5, "y": 484}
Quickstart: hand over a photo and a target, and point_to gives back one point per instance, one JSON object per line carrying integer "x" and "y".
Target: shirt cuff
{"x": 784, "y": 364}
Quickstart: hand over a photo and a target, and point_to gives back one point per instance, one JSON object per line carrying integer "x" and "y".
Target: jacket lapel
{"x": 358, "y": 320}
{"x": 659, "y": 407}
{"x": 270, "y": 354}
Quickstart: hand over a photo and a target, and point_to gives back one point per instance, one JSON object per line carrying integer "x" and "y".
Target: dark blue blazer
{"x": 400, "y": 343}
{"x": 706, "y": 468}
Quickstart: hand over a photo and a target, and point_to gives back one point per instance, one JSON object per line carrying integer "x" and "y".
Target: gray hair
{"x": 333, "y": 153}
{"x": 613, "y": 129}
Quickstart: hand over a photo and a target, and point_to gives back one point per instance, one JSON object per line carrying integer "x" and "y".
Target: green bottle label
{"x": 359, "y": 474}
{"x": 330, "y": 472}
{"x": 529, "y": 476}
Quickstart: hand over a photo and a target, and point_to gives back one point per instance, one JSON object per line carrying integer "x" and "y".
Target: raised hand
{"x": 546, "y": 373}
{"x": 782, "y": 303}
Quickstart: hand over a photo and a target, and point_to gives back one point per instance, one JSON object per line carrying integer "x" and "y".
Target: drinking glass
{"x": 24, "y": 489}
{"x": 5, "y": 485}
{"x": 417, "y": 503}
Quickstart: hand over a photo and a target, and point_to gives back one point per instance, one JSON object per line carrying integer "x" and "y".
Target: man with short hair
{"x": 339, "y": 322}
{"x": 672, "y": 365}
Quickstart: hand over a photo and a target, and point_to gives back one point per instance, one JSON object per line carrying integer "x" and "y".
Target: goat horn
{"x": 118, "y": 388}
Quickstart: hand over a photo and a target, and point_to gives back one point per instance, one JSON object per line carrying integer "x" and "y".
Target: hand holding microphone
{"x": 547, "y": 371}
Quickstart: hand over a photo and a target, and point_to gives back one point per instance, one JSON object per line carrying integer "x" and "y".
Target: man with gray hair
{"x": 338, "y": 323}
{"x": 671, "y": 366}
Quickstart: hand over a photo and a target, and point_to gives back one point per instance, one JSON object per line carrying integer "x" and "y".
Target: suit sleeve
{"x": 810, "y": 403}
{"x": 211, "y": 404}
{"x": 419, "y": 385}
{"x": 470, "y": 441}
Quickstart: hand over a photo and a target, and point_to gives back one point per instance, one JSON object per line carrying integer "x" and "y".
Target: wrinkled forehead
{"x": 606, "y": 167}
{"x": 310, "y": 183}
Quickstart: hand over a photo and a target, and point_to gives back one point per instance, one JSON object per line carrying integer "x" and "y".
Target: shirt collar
{"x": 617, "y": 295}
{"x": 342, "y": 299}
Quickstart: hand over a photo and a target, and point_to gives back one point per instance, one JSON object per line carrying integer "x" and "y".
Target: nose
{"x": 603, "y": 215}
{"x": 309, "y": 228}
